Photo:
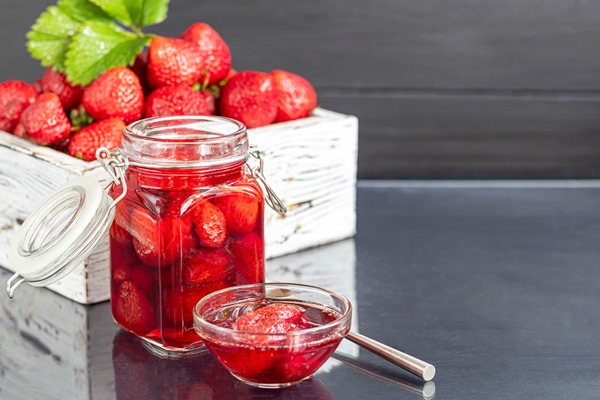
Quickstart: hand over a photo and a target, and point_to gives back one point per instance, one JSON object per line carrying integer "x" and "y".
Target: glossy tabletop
{"x": 496, "y": 284}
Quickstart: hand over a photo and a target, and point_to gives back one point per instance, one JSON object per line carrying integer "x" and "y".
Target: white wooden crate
{"x": 310, "y": 162}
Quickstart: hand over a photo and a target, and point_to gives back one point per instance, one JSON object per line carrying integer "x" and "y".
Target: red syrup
{"x": 276, "y": 346}
{"x": 172, "y": 244}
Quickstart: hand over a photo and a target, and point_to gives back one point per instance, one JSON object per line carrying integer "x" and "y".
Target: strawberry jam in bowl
{"x": 272, "y": 335}
{"x": 190, "y": 223}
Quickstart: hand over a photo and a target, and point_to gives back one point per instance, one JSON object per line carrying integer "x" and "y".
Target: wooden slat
{"x": 506, "y": 44}
{"x": 475, "y": 136}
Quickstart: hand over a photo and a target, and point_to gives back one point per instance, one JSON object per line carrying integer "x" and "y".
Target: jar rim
{"x": 188, "y": 141}
{"x": 133, "y": 129}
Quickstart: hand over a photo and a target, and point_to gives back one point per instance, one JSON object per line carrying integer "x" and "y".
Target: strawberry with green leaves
{"x": 117, "y": 93}
{"x": 179, "y": 100}
{"x": 45, "y": 122}
{"x": 297, "y": 97}
{"x": 214, "y": 52}
{"x": 173, "y": 61}
{"x": 106, "y": 133}
{"x": 15, "y": 97}
{"x": 85, "y": 38}
{"x": 251, "y": 98}
{"x": 56, "y": 82}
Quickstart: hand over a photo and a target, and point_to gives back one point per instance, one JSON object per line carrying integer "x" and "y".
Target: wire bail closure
{"x": 115, "y": 163}
{"x": 271, "y": 197}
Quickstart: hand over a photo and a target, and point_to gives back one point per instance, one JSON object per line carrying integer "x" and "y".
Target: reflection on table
{"x": 53, "y": 348}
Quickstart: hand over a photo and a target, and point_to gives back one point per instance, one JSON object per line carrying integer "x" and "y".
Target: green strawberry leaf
{"x": 117, "y": 10}
{"x": 98, "y": 47}
{"x": 50, "y": 37}
{"x": 82, "y": 10}
{"x": 147, "y": 12}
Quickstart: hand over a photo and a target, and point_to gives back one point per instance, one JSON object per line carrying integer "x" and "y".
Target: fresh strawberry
{"x": 210, "y": 224}
{"x": 214, "y": 52}
{"x": 106, "y": 133}
{"x": 80, "y": 118}
{"x": 55, "y": 82}
{"x": 248, "y": 252}
{"x": 15, "y": 97}
{"x": 240, "y": 210}
{"x": 173, "y": 61}
{"x": 132, "y": 308}
{"x": 179, "y": 100}
{"x": 117, "y": 93}
{"x": 207, "y": 265}
{"x": 231, "y": 74}
{"x": 297, "y": 97}
{"x": 250, "y": 97}
{"x": 139, "y": 67}
{"x": 63, "y": 146}
{"x": 37, "y": 86}
{"x": 273, "y": 318}
{"x": 45, "y": 122}
{"x": 19, "y": 130}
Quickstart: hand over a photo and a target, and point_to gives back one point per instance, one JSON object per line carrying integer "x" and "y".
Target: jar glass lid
{"x": 60, "y": 233}
{"x": 64, "y": 230}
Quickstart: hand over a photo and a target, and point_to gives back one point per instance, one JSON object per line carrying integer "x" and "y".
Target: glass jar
{"x": 190, "y": 223}
{"x": 187, "y": 212}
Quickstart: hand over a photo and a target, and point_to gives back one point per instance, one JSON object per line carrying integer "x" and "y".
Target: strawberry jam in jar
{"x": 189, "y": 222}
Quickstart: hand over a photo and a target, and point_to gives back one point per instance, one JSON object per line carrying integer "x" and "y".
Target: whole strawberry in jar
{"x": 187, "y": 214}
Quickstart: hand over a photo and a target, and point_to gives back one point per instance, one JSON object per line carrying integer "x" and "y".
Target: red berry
{"x": 37, "y": 86}
{"x": 117, "y": 93}
{"x": 15, "y": 97}
{"x": 19, "y": 130}
{"x": 144, "y": 276}
{"x": 273, "y": 318}
{"x": 231, "y": 74}
{"x": 146, "y": 236}
{"x": 63, "y": 146}
{"x": 160, "y": 243}
{"x": 210, "y": 224}
{"x": 179, "y": 100}
{"x": 297, "y": 97}
{"x": 45, "y": 121}
{"x": 248, "y": 253}
{"x": 139, "y": 67}
{"x": 179, "y": 305}
{"x": 207, "y": 265}
{"x": 55, "y": 82}
{"x": 120, "y": 234}
{"x": 240, "y": 210}
{"x": 106, "y": 133}
{"x": 133, "y": 309}
{"x": 119, "y": 229}
{"x": 251, "y": 98}
{"x": 214, "y": 52}
{"x": 173, "y": 61}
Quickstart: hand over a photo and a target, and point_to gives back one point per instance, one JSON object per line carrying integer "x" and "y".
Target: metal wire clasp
{"x": 115, "y": 163}
{"x": 271, "y": 197}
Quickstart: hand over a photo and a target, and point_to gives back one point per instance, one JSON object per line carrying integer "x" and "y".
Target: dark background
{"x": 442, "y": 89}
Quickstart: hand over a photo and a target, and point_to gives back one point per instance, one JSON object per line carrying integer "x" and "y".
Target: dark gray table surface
{"x": 497, "y": 284}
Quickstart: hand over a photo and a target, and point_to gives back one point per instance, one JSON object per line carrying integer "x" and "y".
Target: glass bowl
{"x": 272, "y": 360}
